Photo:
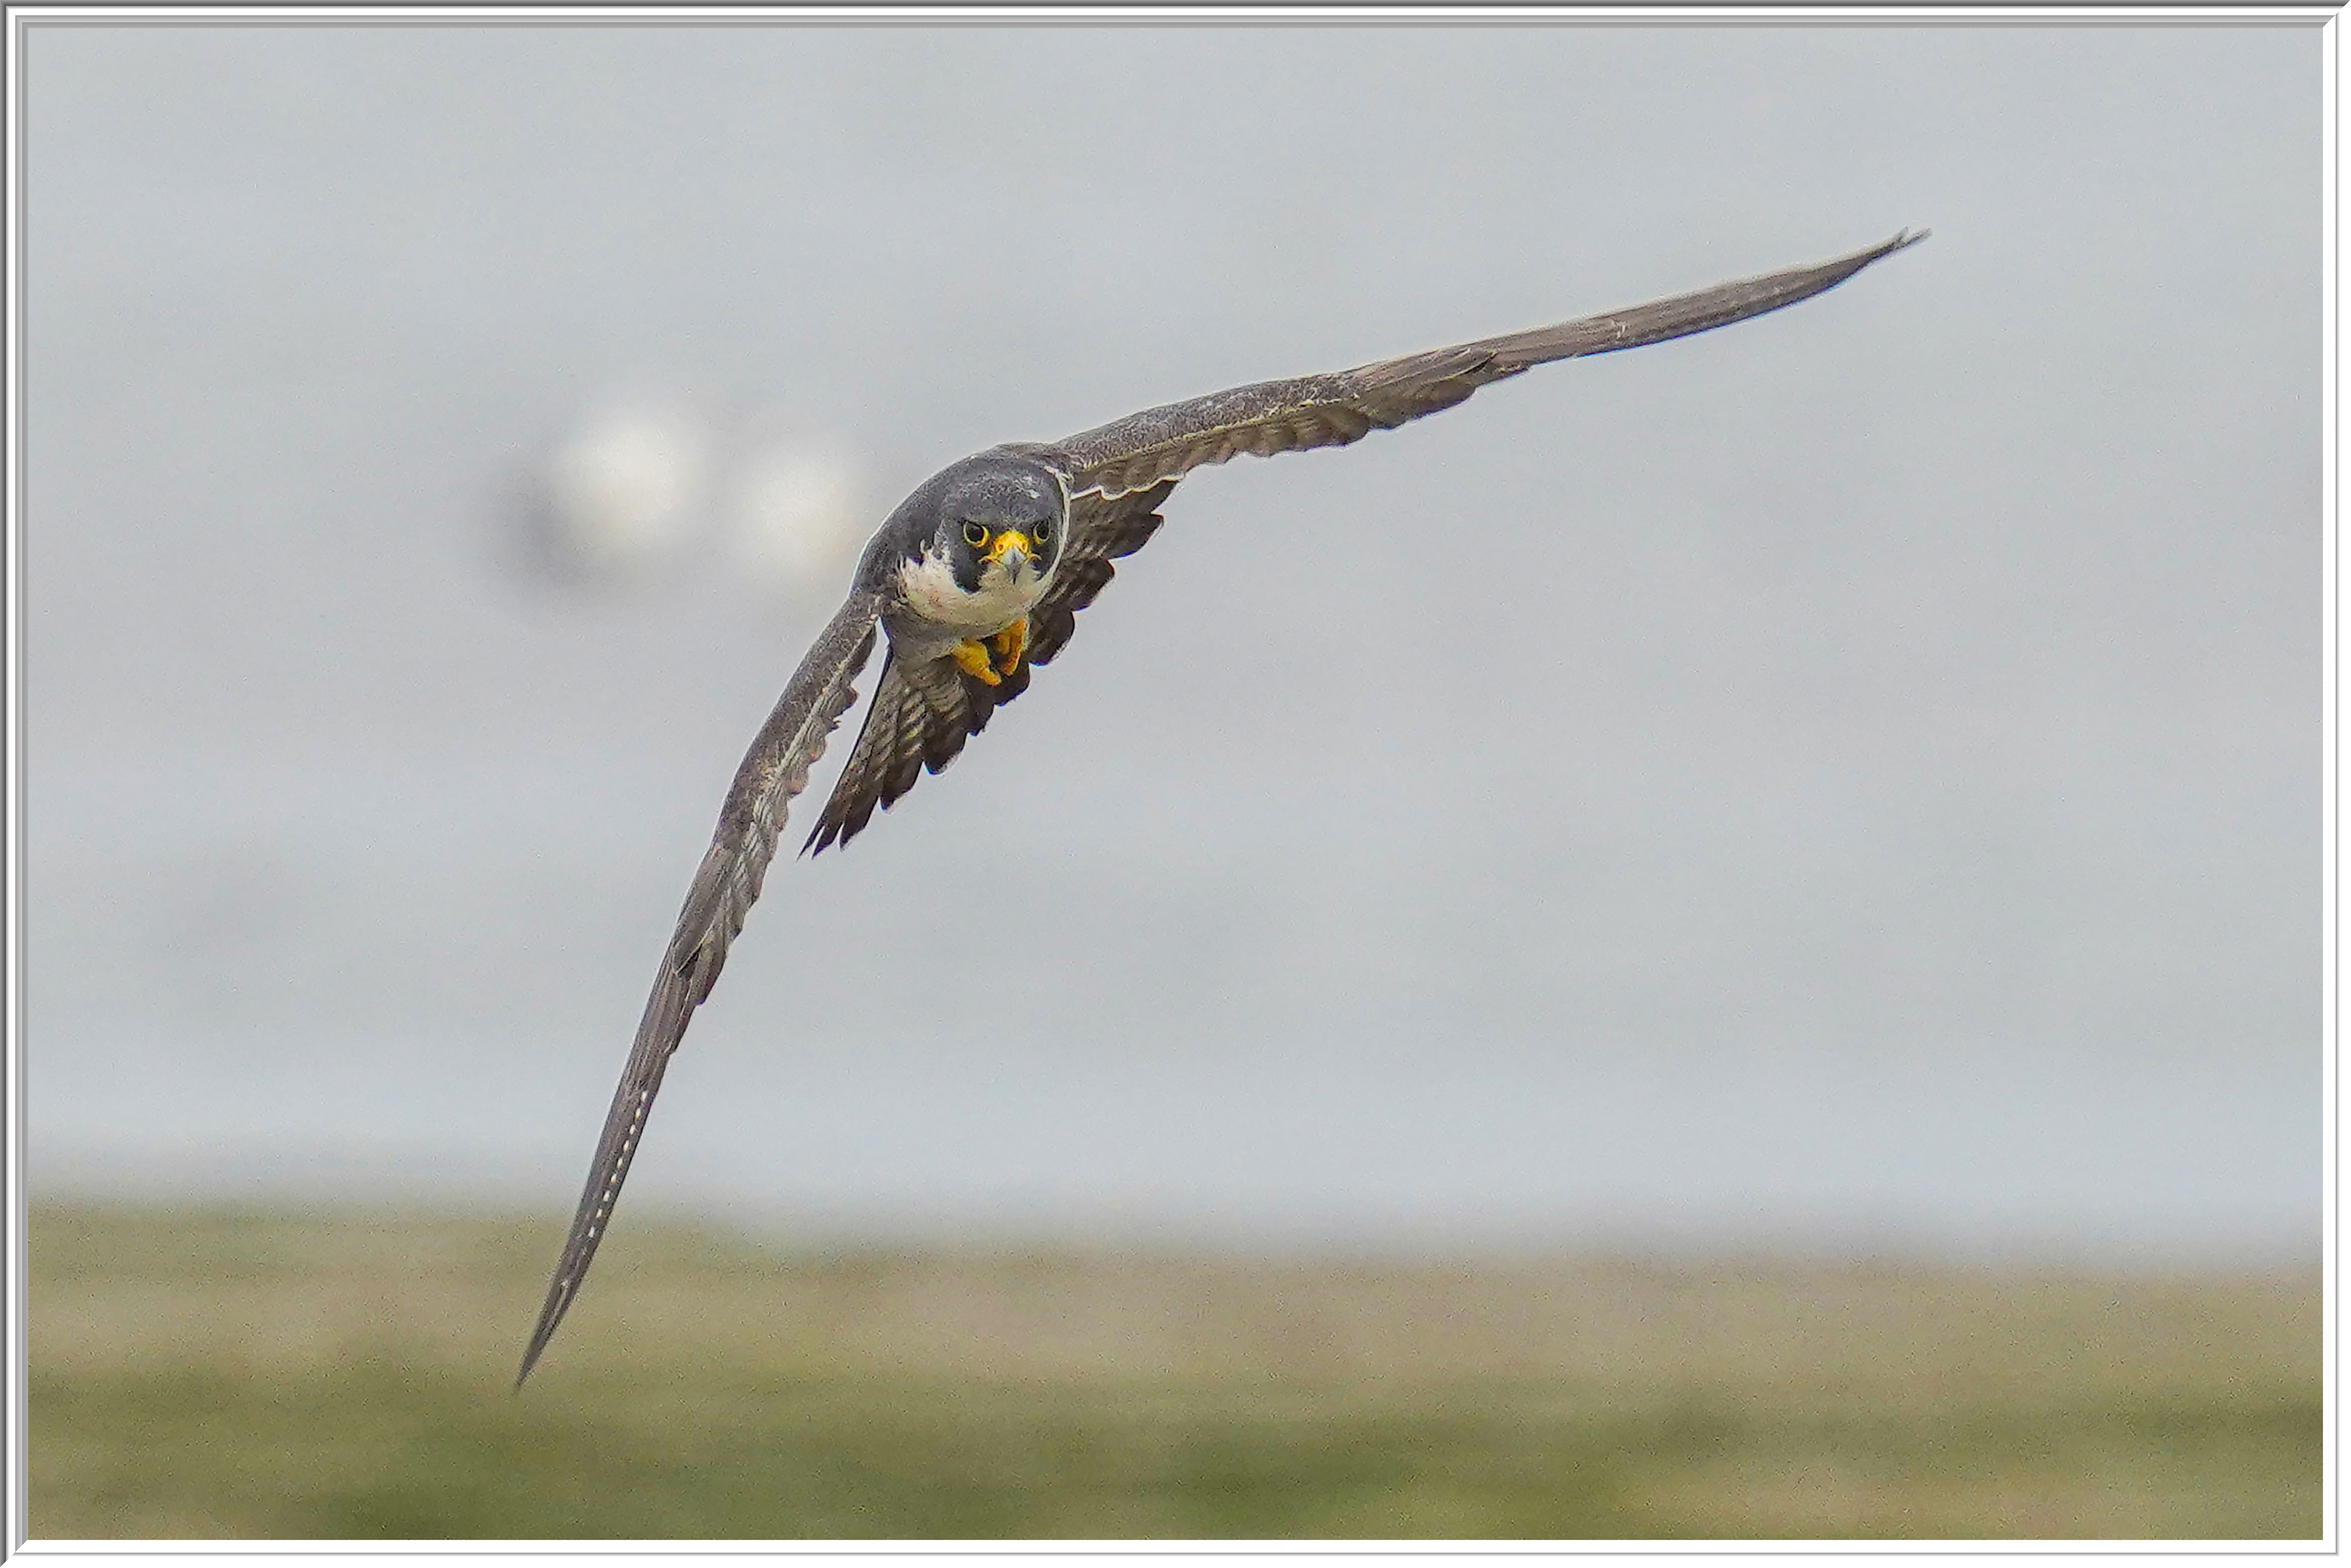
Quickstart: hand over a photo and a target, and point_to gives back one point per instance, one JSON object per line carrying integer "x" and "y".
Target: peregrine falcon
{"x": 976, "y": 581}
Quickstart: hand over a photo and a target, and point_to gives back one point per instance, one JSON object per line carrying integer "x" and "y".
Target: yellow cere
{"x": 1006, "y": 541}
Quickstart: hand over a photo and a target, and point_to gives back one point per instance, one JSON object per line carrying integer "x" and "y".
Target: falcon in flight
{"x": 977, "y": 580}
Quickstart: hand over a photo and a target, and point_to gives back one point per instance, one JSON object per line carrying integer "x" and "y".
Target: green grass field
{"x": 345, "y": 1374}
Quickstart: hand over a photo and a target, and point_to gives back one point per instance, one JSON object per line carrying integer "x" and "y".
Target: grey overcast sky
{"x": 1851, "y": 779}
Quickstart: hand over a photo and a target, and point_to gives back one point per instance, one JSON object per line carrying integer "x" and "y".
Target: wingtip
{"x": 1846, "y": 266}
{"x": 550, "y": 1318}
{"x": 530, "y": 1360}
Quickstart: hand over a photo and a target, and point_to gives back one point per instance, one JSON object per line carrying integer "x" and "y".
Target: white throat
{"x": 1002, "y": 598}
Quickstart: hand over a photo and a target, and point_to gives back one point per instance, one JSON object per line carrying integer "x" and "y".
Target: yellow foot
{"x": 973, "y": 657}
{"x": 1010, "y": 645}
{"x": 995, "y": 659}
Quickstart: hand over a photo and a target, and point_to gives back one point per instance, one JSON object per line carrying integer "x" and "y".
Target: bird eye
{"x": 1044, "y": 533}
{"x": 974, "y": 534}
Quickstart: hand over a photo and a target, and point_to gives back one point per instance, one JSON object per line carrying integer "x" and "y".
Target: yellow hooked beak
{"x": 1010, "y": 541}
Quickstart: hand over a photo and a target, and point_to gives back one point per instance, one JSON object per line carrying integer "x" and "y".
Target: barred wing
{"x": 1120, "y": 473}
{"x": 1102, "y": 528}
{"x": 775, "y": 770}
{"x": 922, "y": 714}
{"x": 1159, "y": 444}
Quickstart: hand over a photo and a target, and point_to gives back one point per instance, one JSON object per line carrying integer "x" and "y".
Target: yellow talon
{"x": 974, "y": 658}
{"x": 995, "y": 659}
{"x": 1010, "y": 645}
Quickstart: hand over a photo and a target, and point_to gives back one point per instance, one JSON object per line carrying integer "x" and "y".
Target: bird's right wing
{"x": 775, "y": 770}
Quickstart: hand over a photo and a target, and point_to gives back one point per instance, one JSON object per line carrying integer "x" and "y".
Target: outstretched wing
{"x": 1120, "y": 473}
{"x": 775, "y": 770}
{"x": 1162, "y": 444}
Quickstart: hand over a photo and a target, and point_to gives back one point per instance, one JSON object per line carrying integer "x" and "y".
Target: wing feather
{"x": 1269, "y": 417}
{"x": 922, "y": 714}
{"x": 1101, "y": 529}
{"x": 775, "y": 771}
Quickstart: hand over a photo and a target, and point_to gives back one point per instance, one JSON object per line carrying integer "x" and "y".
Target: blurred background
{"x": 1844, "y": 787}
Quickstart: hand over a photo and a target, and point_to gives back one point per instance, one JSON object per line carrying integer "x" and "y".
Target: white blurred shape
{"x": 620, "y": 489}
{"x": 798, "y": 508}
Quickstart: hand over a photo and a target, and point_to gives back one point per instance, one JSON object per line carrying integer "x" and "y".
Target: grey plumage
{"x": 1168, "y": 443}
{"x": 723, "y": 892}
{"x": 1074, "y": 506}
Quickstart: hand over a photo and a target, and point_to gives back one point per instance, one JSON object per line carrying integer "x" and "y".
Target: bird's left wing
{"x": 775, "y": 770}
{"x": 1161, "y": 443}
{"x": 1118, "y": 475}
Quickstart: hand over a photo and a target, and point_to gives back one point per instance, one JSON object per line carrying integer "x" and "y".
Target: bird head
{"x": 996, "y": 522}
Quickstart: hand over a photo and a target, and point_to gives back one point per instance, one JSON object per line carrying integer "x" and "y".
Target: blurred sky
{"x": 1847, "y": 780}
